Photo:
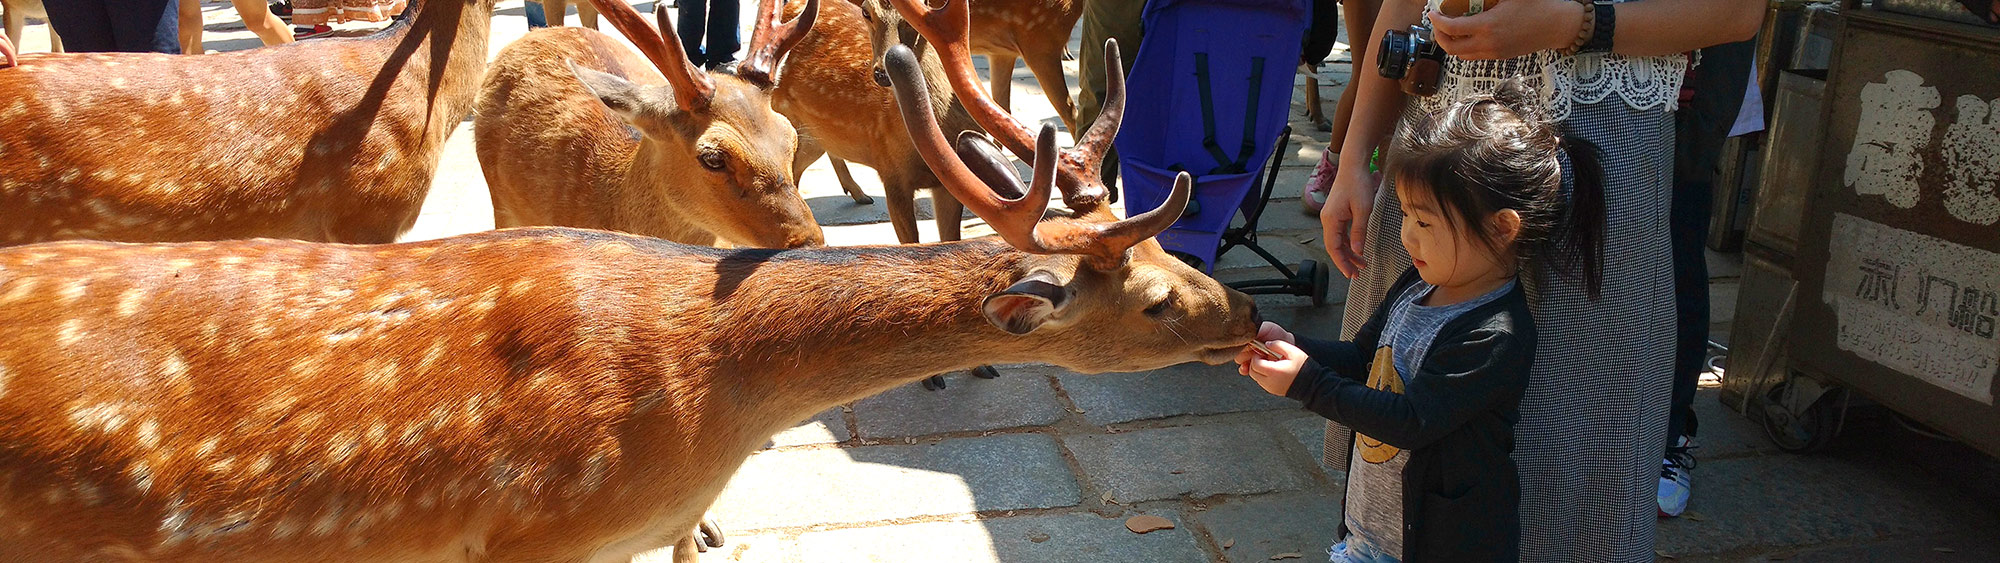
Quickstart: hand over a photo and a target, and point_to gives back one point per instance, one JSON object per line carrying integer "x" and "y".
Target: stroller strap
{"x": 1225, "y": 164}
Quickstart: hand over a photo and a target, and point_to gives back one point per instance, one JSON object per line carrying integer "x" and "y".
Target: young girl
{"x": 1433, "y": 382}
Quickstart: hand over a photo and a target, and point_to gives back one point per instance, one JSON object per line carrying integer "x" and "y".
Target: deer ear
{"x": 1028, "y": 304}
{"x": 625, "y": 99}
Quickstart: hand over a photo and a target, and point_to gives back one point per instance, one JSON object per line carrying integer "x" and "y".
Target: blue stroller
{"x": 1210, "y": 94}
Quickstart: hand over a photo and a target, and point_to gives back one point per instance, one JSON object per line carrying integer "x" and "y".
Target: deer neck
{"x": 944, "y": 106}
{"x": 867, "y": 319}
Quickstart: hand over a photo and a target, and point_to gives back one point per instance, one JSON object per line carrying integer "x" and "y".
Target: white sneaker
{"x": 1676, "y": 478}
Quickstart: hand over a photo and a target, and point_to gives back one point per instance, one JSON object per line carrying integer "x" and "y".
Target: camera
{"x": 1412, "y": 59}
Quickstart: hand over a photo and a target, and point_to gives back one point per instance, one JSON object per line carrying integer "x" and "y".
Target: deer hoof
{"x": 863, "y": 199}
{"x": 985, "y": 372}
{"x": 710, "y": 535}
{"x": 934, "y": 383}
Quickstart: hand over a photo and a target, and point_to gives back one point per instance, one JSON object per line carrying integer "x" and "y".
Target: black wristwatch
{"x": 1605, "y": 21}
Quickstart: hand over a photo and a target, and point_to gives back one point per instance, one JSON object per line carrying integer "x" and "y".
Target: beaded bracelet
{"x": 1601, "y": 29}
{"x": 1582, "y": 31}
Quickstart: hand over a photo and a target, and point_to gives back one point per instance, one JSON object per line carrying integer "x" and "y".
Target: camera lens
{"x": 1393, "y": 58}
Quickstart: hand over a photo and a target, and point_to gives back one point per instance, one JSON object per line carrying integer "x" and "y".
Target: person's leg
{"x": 190, "y": 26}
{"x": 722, "y": 32}
{"x": 258, "y": 17}
{"x": 690, "y": 25}
{"x": 536, "y": 18}
{"x": 85, "y": 25}
{"x": 1102, "y": 19}
{"x": 139, "y": 26}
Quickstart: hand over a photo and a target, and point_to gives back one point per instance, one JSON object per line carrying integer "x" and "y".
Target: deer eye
{"x": 713, "y": 159}
{"x": 866, "y": 16}
{"x": 1160, "y": 307}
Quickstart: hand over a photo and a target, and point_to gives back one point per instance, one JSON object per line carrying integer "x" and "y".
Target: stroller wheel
{"x": 1316, "y": 278}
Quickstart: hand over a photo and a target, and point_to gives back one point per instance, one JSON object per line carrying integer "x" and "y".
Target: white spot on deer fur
{"x": 16, "y": 109}
{"x": 173, "y": 368}
{"x": 327, "y": 521}
{"x": 260, "y": 465}
{"x": 74, "y": 291}
{"x": 222, "y": 465}
{"x": 54, "y": 495}
{"x": 142, "y": 476}
{"x": 3, "y": 380}
{"x": 21, "y": 287}
{"x": 71, "y": 176}
{"x": 378, "y": 434}
{"x": 128, "y": 302}
{"x": 207, "y": 447}
{"x": 342, "y": 447}
{"x": 149, "y": 434}
{"x": 104, "y": 417}
{"x": 89, "y": 493}
{"x": 285, "y": 528}
{"x": 71, "y": 332}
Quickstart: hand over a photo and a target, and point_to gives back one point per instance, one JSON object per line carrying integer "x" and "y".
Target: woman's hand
{"x": 1273, "y": 375}
{"x": 1343, "y": 222}
{"x": 1510, "y": 29}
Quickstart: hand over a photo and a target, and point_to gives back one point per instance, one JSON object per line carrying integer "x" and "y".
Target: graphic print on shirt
{"x": 1381, "y": 376}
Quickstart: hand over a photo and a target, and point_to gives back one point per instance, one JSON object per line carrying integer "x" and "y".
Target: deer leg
{"x": 847, "y": 182}
{"x": 687, "y": 550}
{"x": 1313, "y": 111}
{"x": 1048, "y": 70}
{"x": 902, "y": 210}
{"x": 949, "y": 213}
{"x": 557, "y": 12}
{"x": 190, "y": 26}
{"x": 15, "y": 21}
{"x": 586, "y": 14}
{"x": 1002, "y": 67}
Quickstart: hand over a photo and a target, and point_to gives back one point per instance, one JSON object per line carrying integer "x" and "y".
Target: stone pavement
{"x": 1044, "y": 465}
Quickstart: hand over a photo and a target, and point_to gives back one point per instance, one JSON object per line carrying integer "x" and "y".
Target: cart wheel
{"x": 1808, "y": 431}
{"x": 1316, "y": 276}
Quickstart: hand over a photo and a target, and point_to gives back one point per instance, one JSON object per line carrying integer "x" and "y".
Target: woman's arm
{"x": 1650, "y": 27}
{"x": 1378, "y": 103}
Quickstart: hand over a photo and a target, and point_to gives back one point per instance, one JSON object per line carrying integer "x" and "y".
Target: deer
{"x": 16, "y": 14}
{"x": 828, "y": 90}
{"x": 574, "y": 130}
{"x": 330, "y": 140}
{"x": 586, "y": 13}
{"x": 524, "y": 394}
{"x": 1006, "y": 31}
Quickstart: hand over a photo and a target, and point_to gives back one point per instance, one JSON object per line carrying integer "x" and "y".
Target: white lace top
{"x": 1587, "y": 78}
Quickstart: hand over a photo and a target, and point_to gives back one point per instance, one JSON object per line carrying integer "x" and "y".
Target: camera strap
{"x": 1241, "y": 162}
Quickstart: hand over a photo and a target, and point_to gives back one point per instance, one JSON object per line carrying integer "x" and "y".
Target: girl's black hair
{"x": 1498, "y": 151}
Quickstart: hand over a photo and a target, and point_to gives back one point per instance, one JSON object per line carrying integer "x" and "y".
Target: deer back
{"x": 577, "y": 130}
{"x": 331, "y": 140}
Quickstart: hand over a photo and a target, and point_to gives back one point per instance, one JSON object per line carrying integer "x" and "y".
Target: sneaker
{"x": 300, "y": 33}
{"x": 1319, "y": 183}
{"x": 1676, "y": 478}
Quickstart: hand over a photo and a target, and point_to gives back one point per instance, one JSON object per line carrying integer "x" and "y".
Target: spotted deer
{"x": 529, "y": 394}
{"x": 1005, "y": 31}
{"x": 829, "y": 90}
{"x": 947, "y": 29}
{"x": 332, "y": 140}
{"x": 576, "y": 130}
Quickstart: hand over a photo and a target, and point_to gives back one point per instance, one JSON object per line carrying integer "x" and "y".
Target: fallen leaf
{"x": 1107, "y": 498}
{"x": 1146, "y": 523}
{"x": 1038, "y": 537}
{"x": 1944, "y": 550}
{"x": 1308, "y": 240}
{"x": 1229, "y": 543}
{"x": 1664, "y": 555}
{"x": 1176, "y": 472}
{"x": 1292, "y": 555}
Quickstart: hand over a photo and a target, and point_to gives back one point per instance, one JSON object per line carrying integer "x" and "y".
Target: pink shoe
{"x": 1319, "y": 183}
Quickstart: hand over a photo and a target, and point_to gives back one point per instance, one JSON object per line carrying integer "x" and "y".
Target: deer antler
{"x": 948, "y": 30}
{"x": 770, "y": 40}
{"x": 692, "y": 87}
{"x": 1019, "y": 221}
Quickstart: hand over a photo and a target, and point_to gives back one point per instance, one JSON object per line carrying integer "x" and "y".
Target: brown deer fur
{"x": 1005, "y": 31}
{"x": 328, "y": 140}
{"x": 607, "y": 146}
{"x": 829, "y": 90}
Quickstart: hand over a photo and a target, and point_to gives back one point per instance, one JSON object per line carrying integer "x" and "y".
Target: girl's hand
{"x": 1266, "y": 333}
{"x": 1275, "y": 376}
{"x": 6, "y": 51}
{"x": 1343, "y": 222}
{"x": 1509, "y": 29}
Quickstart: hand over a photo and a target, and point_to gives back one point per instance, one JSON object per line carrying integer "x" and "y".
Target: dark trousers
{"x": 133, "y": 26}
{"x": 1701, "y": 126}
{"x": 714, "y": 18}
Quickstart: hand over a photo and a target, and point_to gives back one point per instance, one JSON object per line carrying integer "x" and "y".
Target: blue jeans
{"x": 717, "y": 20}
{"x": 131, "y": 26}
{"x": 1357, "y": 550}
{"x": 536, "y": 18}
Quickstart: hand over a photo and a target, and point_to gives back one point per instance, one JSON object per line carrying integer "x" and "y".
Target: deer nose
{"x": 882, "y": 77}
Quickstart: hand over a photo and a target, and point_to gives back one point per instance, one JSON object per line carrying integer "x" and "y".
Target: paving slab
{"x": 1310, "y": 431}
{"x": 786, "y": 488}
{"x": 1065, "y": 538}
{"x": 823, "y": 428}
{"x": 1960, "y": 548}
{"x": 1723, "y": 432}
{"x": 1198, "y": 461}
{"x": 1022, "y": 396}
{"x": 1190, "y": 388}
{"x": 1302, "y": 523}
{"x": 1782, "y": 500}
{"x": 772, "y": 548}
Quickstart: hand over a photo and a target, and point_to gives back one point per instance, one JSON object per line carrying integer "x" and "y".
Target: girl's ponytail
{"x": 1579, "y": 237}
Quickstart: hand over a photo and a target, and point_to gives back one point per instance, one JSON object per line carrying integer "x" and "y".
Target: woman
{"x": 1595, "y": 414}
{"x": 314, "y": 13}
{"x": 135, "y": 26}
